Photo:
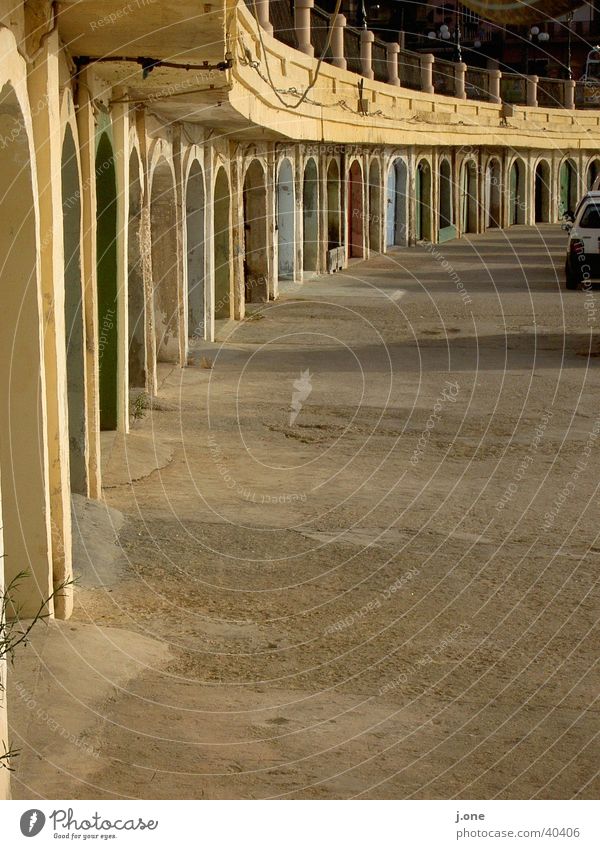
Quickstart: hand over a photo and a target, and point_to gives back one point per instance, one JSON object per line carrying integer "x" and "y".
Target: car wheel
{"x": 571, "y": 280}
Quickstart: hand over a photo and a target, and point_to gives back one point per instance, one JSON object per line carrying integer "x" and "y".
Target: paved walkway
{"x": 367, "y": 566}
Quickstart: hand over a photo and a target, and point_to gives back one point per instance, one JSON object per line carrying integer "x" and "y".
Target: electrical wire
{"x": 313, "y": 81}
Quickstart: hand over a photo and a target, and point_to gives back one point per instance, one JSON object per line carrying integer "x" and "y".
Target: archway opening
{"x": 593, "y": 173}
{"x": 74, "y": 326}
{"x": 542, "y": 192}
{"x": 221, "y": 249}
{"x": 567, "y": 196}
{"x": 286, "y": 222}
{"x": 310, "y": 217}
{"x": 355, "y": 210}
{"x": 106, "y": 265}
{"x": 136, "y": 296}
{"x": 196, "y": 296}
{"x": 469, "y": 200}
{"x": 446, "y": 227}
{"x": 23, "y": 467}
{"x": 397, "y": 204}
{"x": 493, "y": 194}
{"x": 423, "y": 201}
{"x": 165, "y": 263}
{"x": 517, "y": 201}
{"x": 334, "y": 239}
{"x": 256, "y": 268}
{"x": 375, "y": 207}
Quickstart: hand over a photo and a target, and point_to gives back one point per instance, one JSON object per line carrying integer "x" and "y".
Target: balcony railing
{"x": 513, "y": 88}
{"x": 409, "y": 69}
{"x": 477, "y": 84}
{"x": 309, "y": 29}
{"x": 444, "y": 74}
{"x": 550, "y": 92}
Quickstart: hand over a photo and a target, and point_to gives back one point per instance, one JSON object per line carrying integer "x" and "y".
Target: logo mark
{"x": 32, "y": 822}
{"x": 302, "y": 389}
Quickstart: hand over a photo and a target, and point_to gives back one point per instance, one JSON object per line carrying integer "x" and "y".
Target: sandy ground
{"x": 390, "y": 596}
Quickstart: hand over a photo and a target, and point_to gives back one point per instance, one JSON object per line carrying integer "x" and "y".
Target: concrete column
{"x": 569, "y": 96}
{"x": 427, "y": 60}
{"x": 494, "y": 77}
{"x": 262, "y": 11}
{"x": 532, "y": 82}
{"x": 180, "y": 217}
{"x": 366, "y": 53}
{"x": 393, "y": 49}
{"x": 120, "y": 118}
{"x": 460, "y": 70}
{"x": 146, "y": 258}
{"x": 237, "y": 234}
{"x": 87, "y": 146}
{"x": 271, "y": 207}
{"x": 302, "y": 10}
{"x": 337, "y": 42}
{"x": 298, "y": 183}
{"x": 44, "y": 87}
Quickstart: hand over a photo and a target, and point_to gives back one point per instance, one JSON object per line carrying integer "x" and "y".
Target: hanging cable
{"x": 314, "y": 79}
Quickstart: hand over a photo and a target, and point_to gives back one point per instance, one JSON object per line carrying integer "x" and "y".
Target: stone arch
{"x": 195, "y": 240}
{"x": 310, "y": 216}
{"x": 166, "y": 254}
{"x": 355, "y": 210}
{"x": 221, "y": 246}
{"x": 74, "y": 318}
{"x": 334, "y": 237}
{"x": 567, "y": 187}
{"x": 423, "y": 200}
{"x": 23, "y": 449}
{"x": 375, "y": 206}
{"x": 106, "y": 270}
{"x": 541, "y": 189}
{"x": 493, "y": 194}
{"x": 397, "y": 204}
{"x": 446, "y": 225}
{"x": 136, "y": 292}
{"x": 256, "y": 267}
{"x": 517, "y": 198}
{"x": 469, "y": 197}
{"x": 593, "y": 172}
{"x": 286, "y": 221}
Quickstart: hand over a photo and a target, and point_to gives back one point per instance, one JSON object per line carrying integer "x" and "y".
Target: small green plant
{"x": 12, "y": 636}
{"x": 139, "y": 406}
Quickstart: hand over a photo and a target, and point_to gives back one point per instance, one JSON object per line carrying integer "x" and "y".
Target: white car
{"x": 582, "y": 266}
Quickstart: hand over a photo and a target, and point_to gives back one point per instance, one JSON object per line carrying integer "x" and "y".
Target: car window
{"x": 590, "y": 217}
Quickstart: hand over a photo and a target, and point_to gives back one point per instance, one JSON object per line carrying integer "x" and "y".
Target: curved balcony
{"x": 454, "y": 104}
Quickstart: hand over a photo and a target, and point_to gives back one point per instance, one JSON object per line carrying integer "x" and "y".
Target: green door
{"x": 563, "y": 204}
{"x": 513, "y": 194}
{"x": 418, "y": 193}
